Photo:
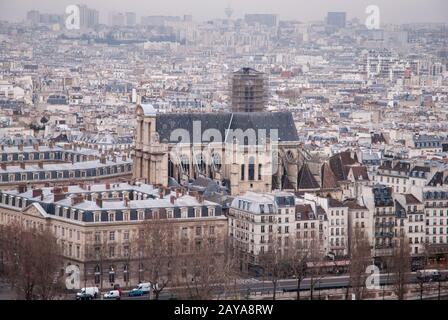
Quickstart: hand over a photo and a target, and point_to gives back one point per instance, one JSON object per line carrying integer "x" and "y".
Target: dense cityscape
{"x": 250, "y": 157}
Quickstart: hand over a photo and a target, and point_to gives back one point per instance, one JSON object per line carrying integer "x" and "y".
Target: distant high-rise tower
{"x": 267, "y": 19}
{"x": 131, "y": 19}
{"x": 228, "y": 11}
{"x": 336, "y": 19}
{"x": 249, "y": 90}
{"x": 89, "y": 18}
{"x": 33, "y": 17}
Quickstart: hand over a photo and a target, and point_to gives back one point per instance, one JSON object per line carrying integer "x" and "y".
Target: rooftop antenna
{"x": 228, "y": 11}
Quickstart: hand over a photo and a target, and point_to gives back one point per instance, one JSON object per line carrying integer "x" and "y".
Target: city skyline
{"x": 398, "y": 12}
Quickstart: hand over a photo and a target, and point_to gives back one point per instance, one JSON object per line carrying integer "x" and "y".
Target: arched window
{"x": 216, "y": 158}
{"x": 185, "y": 163}
{"x": 112, "y": 274}
{"x": 97, "y": 274}
{"x": 251, "y": 168}
{"x": 126, "y": 273}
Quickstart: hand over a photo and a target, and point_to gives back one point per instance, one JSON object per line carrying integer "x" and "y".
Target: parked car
{"x": 145, "y": 287}
{"x": 136, "y": 292}
{"x": 84, "y": 296}
{"x": 428, "y": 274}
{"x": 85, "y": 292}
{"x": 113, "y": 294}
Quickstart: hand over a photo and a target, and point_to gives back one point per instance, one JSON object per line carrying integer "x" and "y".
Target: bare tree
{"x": 399, "y": 264}
{"x": 316, "y": 266}
{"x": 205, "y": 270}
{"x": 360, "y": 256}
{"x": 298, "y": 258}
{"x": 274, "y": 263}
{"x": 97, "y": 256}
{"x": 159, "y": 246}
{"x": 32, "y": 261}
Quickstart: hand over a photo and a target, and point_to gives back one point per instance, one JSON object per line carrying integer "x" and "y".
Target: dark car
{"x": 135, "y": 293}
{"x": 84, "y": 296}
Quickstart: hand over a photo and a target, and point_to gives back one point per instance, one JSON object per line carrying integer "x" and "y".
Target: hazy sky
{"x": 392, "y": 11}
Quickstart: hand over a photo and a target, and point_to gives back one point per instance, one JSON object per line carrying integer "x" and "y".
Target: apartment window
{"x": 97, "y": 236}
{"x": 112, "y": 235}
{"x": 111, "y": 252}
{"x": 197, "y": 212}
{"x": 97, "y": 217}
{"x": 126, "y": 235}
{"x": 78, "y": 252}
{"x": 212, "y": 230}
{"x": 198, "y": 231}
{"x": 126, "y": 251}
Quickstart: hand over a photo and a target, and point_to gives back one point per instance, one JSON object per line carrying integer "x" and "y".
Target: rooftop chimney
{"x": 4, "y": 166}
{"x": 124, "y": 158}
{"x": 99, "y": 202}
{"x": 172, "y": 198}
{"x": 59, "y": 196}
{"x": 77, "y": 199}
{"x": 36, "y": 146}
{"x": 126, "y": 202}
{"x": 21, "y": 188}
{"x": 40, "y": 164}
{"x": 22, "y": 165}
{"x": 37, "y": 193}
{"x": 20, "y": 147}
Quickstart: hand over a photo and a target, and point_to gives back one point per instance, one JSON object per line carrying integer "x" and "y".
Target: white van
{"x": 113, "y": 294}
{"x": 145, "y": 287}
{"x": 86, "y": 292}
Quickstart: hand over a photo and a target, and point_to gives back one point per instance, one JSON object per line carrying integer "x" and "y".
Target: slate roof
{"x": 338, "y": 163}
{"x": 166, "y": 123}
{"x": 360, "y": 173}
{"x": 305, "y": 179}
{"x": 328, "y": 179}
{"x": 411, "y": 199}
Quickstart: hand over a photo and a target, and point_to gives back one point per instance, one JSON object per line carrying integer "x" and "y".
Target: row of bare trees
{"x": 193, "y": 268}
{"x": 30, "y": 261}
{"x": 306, "y": 260}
